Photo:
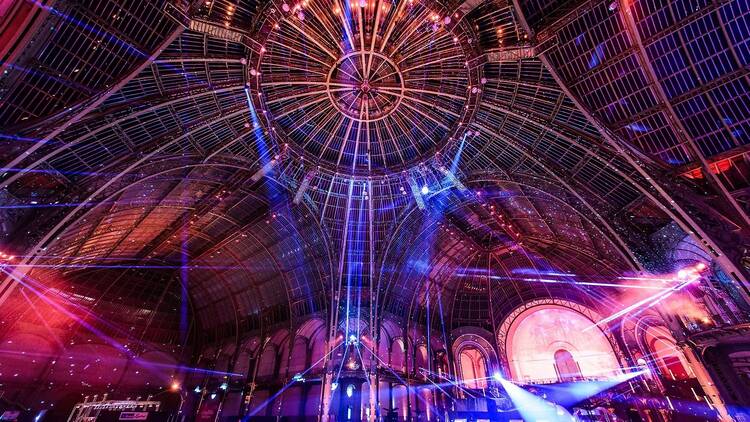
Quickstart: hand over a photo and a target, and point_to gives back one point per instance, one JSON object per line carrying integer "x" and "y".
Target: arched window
{"x": 664, "y": 352}
{"x": 267, "y": 364}
{"x": 298, "y": 360}
{"x": 421, "y": 358}
{"x": 473, "y": 368}
{"x": 566, "y": 365}
{"x": 318, "y": 350}
{"x": 398, "y": 355}
{"x": 441, "y": 362}
{"x": 548, "y": 343}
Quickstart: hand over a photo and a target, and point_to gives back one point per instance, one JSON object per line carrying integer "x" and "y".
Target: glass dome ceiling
{"x": 367, "y": 87}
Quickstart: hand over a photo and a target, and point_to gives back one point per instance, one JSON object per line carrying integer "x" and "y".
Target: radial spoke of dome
{"x": 343, "y": 142}
{"x": 313, "y": 39}
{"x": 391, "y": 24}
{"x": 286, "y": 66}
{"x": 362, "y": 106}
{"x": 302, "y": 94}
{"x": 349, "y": 97}
{"x": 376, "y": 103}
{"x": 332, "y": 133}
{"x": 296, "y": 107}
{"x": 425, "y": 91}
{"x": 330, "y": 114}
{"x": 427, "y": 43}
{"x": 357, "y": 133}
{"x": 356, "y": 97}
{"x": 347, "y": 28}
{"x": 287, "y": 45}
{"x": 437, "y": 122}
{"x": 379, "y": 140}
{"x": 389, "y": 91}
{"x": 418, "y": 123}
{"x": 438, "y": 78}
{"x": 321, "y": 83}
{"x": 356, "y": 145}
{"x": 382, "y": 62}
{"x": 362, "y": 10}
{"x": 367, "y": 137}
{"x": 354, "y": 78}
{"x": 435, "y": 45}
{"x": 384, "y": 94}
{"x": 395, "y": 142}
{"x": 386, "y": 76}
{"x": 305, "y": 94}
{"x": 412, "y": 26}
{"x": 319, "y": 27}
{"x": 290, "y": 35}
{"x": 374, "y": 37}
{"x": 311, "y": 116}
{"x": 329, "y": 25}
{"x": 431, "y": 62}
{"x": 403, "y": 127}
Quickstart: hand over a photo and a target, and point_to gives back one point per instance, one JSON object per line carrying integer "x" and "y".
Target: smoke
{"x": 675, "y": 300}
{"x": 682, "y": 304}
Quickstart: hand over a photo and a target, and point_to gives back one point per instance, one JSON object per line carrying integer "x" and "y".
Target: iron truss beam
{"x": 677, "y": 125}
{"x": 94, "y": 102}
{"x": 669, "y": 203}
{"x": 92, "y": 133}
{"x": 212, "y": 29}
{"x": 549, "y": 31}
{"x": 8, "y": 284}
{"x": 712, "y": 160}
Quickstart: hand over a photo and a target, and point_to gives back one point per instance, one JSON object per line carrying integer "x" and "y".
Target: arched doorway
{"x": 669, "y": 360}
{"x": 554, "y": 343}
{"x": 473, "y": 366}
{"x": 566, "y": 366}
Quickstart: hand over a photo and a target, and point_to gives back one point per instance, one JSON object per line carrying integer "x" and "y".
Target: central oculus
{"x": 364, "y": 88}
